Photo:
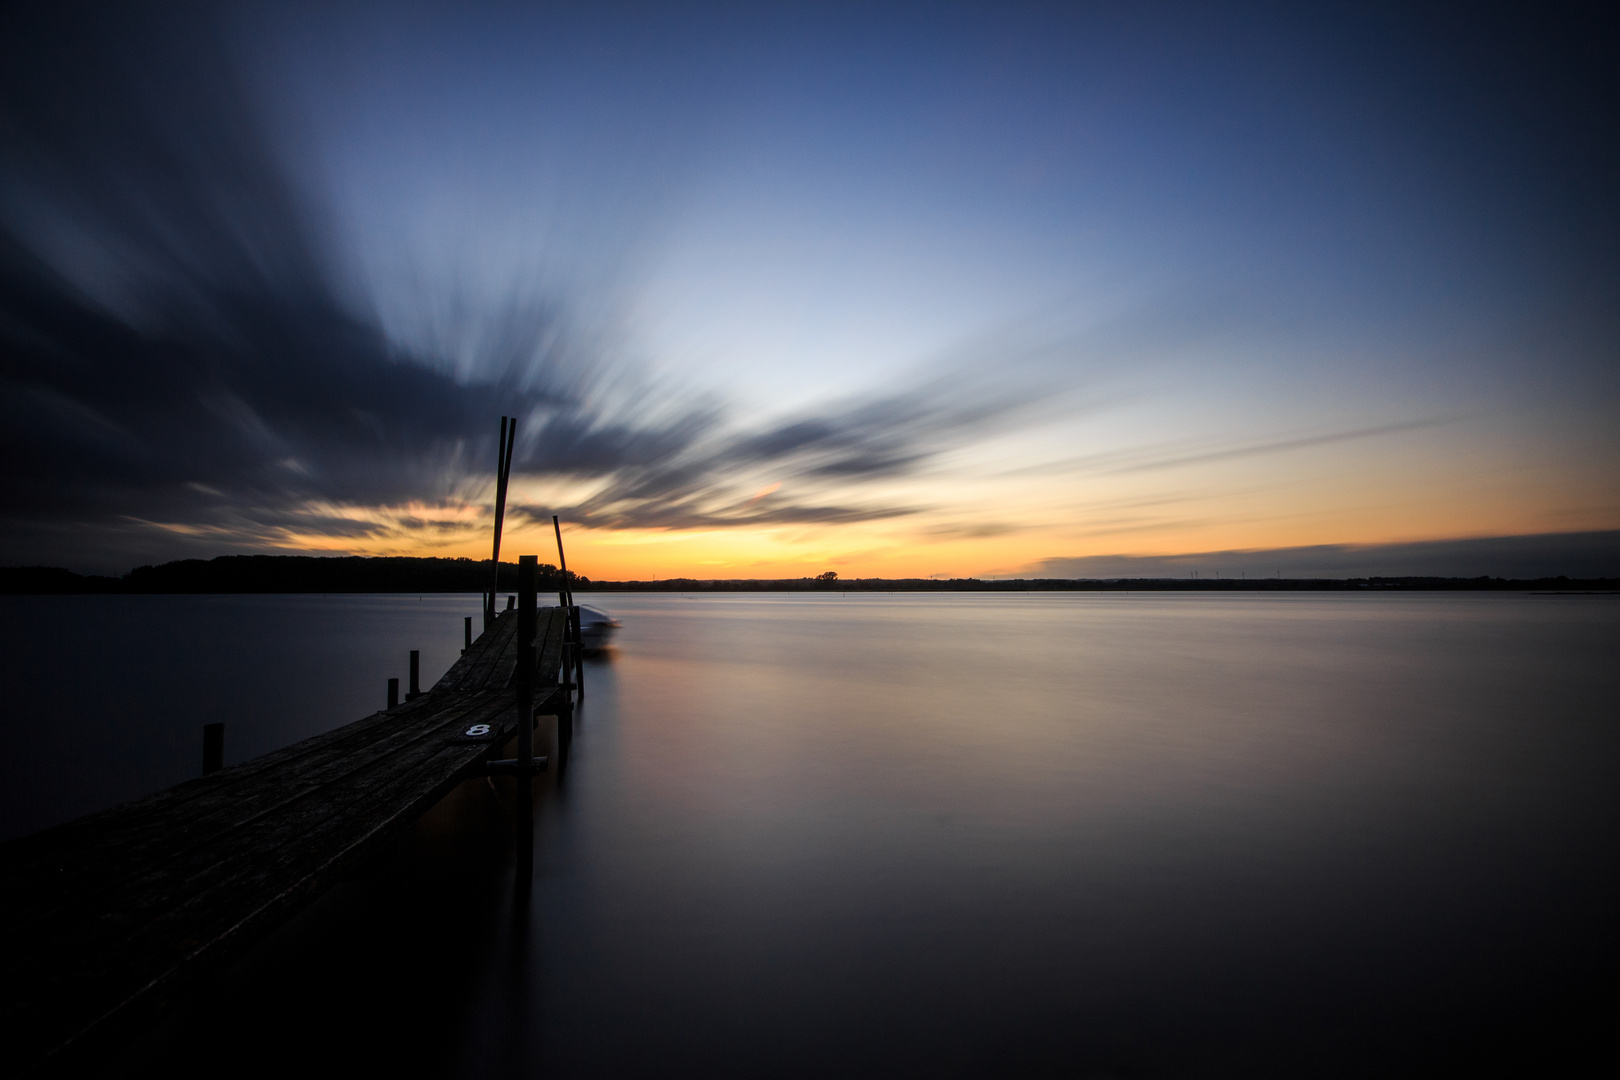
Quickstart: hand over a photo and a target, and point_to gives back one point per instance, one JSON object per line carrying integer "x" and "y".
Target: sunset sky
{"x": 889, "y": 290}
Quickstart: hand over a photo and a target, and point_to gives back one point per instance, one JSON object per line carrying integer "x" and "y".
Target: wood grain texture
{"x": 105, "y": 919}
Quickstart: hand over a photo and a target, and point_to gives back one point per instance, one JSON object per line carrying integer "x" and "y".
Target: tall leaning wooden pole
{"x": 503, "y": 471}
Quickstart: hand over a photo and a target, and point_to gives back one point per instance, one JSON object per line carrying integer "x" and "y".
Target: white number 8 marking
{"x": 478, "y": 729}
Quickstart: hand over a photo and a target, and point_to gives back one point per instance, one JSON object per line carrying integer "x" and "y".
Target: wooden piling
{"x": 565, "y": 596}
{"x": 523, "y": 676}
{"x": 393, "y": 692}
{"x": 503, "y": 472}
{"x": 416, "y": 676}
{"x": 466, "y": 630}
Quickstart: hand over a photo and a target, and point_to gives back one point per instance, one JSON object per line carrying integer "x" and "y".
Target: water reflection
{"x": 1076, "y": 835}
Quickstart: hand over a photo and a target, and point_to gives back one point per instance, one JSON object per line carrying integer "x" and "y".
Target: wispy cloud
{"x": 178, "y": 355}
{"x": 973, "y": 530}
{"x": 1171, "y": 455}
{"x": 714, "y": 480}
{"x": 1585, "y": 554}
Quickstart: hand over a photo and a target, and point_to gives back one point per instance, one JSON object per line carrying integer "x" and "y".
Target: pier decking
{"x": 105, "y": 919}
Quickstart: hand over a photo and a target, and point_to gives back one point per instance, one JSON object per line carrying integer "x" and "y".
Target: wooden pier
{"x": 106, "y": 919}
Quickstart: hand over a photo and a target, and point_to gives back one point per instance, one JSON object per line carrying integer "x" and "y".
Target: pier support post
{"x": 524, "y": 680}
{"x": 503, "y": 471}
{"x": 416, "y": 676}
{"x": 466, "y": 633}
{"x": 566, "y": 672}
{"x": 213, "y": 748}
{"x": 565, "y": 597}
{"x": 393, "y": 692}
{"x": 523, "y": 677}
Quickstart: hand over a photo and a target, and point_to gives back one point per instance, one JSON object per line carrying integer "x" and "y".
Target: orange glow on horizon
{"x": 961, "y": 524}
{"x": 908, "y": 549}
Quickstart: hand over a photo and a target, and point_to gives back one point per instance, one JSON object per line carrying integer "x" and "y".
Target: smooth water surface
{"x": 969, "y": 835}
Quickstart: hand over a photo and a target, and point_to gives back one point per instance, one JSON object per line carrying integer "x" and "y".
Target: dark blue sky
{"x": 776, "y": 286}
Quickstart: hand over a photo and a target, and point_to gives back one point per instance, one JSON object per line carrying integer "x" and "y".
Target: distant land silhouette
{"x": 284, "y": 574}
{"x": 360, "y": 574}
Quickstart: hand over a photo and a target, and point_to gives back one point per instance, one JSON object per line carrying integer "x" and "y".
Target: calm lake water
{"x": 930, "y": 835}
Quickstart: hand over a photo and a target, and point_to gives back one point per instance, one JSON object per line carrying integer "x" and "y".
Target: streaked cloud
{"x": 1175, "y": 455}
{"x": 1585, "y": 554}
{"x": 210, "y": 375}
{"x": 767, "y": 292}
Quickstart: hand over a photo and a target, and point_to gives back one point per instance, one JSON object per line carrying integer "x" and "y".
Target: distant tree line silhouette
{"x": 403, "y": 574}
{"x": 822, "y": 583}
{"x": 288, "y": 574}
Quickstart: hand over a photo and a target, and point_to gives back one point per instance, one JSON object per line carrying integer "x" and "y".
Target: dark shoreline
{"x": 359, "y": 574}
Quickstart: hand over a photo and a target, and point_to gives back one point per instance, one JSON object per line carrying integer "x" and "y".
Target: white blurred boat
{"x": 596, "y": 628}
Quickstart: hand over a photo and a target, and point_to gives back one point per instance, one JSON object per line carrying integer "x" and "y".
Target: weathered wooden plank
{"x": 98, "y": 847}
{"x": 499, "y": 674}
{"x": 93, "y": 866}
{"x": 104, "y": 917}
{"x": 230, "y": 778}
{"x": 127, "y": 828}
{"x": 464, "y": 663}
{"x": 550, "y": 649}
{"x": 276, "y": 861}
{"x": 503, "y": 639}
{"x": 202, "y": 899}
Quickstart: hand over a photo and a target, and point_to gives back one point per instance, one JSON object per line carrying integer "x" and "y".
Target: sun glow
{"x": 990, "y": 522}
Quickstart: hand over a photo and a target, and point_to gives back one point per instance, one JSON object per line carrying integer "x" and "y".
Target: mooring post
{"x": 416, "y": 676}
{"x": 566, "y": 670}
{"x": 524, "y": 680}
{"x": 466, "y": 633}
{"x": 393, "y": 692}
{"x": 525, "y": 764}
{"x": 213, "y": 748}
{"x": 503, "y": 472}
{"x": 526, "y": 662}
{"x": 570, "y": 612}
